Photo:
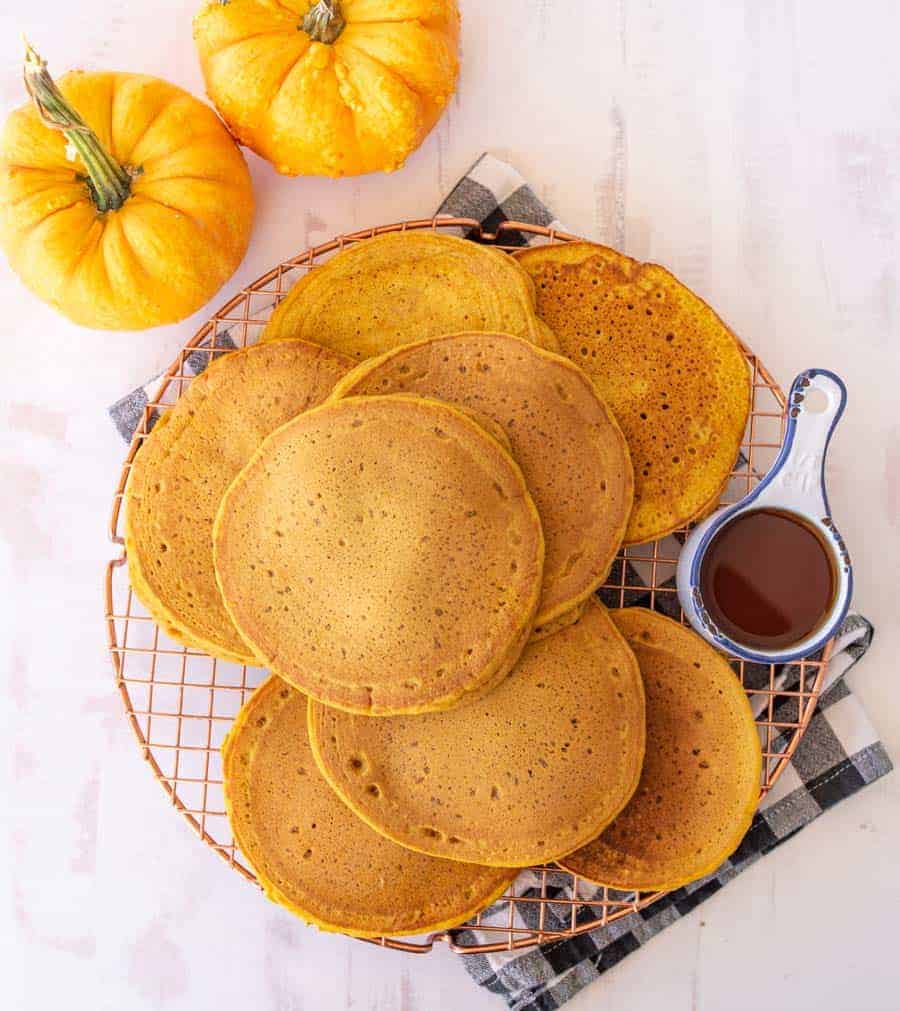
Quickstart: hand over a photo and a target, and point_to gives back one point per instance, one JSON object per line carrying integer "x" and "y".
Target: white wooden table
{"x": 753, "y": 147}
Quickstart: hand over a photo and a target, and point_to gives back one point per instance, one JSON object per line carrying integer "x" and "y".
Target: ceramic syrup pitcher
{"x": 769, "y": 578}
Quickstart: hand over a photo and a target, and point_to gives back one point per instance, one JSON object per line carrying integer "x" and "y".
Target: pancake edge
{"x": 166, "y": 619}
{"x": 589, "y": 249}
{"x": 746, "y": 821}
{"x": 343, "y": 390}
{"x": 162, "y": 616}
{"x": 275, "y": 895}
{"x": 538, "y": 330}
{"x": 528, "y": 860}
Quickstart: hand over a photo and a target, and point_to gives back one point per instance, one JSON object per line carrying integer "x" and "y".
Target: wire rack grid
{"x": 180, "y": 702}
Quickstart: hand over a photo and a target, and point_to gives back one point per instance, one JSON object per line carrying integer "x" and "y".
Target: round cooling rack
{"x": 180, "y": 702}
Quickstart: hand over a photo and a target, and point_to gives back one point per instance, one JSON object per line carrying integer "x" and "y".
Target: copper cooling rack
{"x": 180, "y": 702}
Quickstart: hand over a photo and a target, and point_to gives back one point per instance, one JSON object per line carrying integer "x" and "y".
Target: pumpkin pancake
{"x": 382, "y": 554}
{"x": 312, "y": 855}
{"x": 571, "y": 451}
{"x": 404, "y": 286}
{"x": 670, "y": 370}
{"x": 701, "y": 779}
{"x": 184, "y": 467}
{"x": 520, "y": 776}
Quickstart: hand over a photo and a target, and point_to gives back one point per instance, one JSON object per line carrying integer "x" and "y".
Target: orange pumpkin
{"x": 124, "y": 202}
{"x": 331, "y": 87}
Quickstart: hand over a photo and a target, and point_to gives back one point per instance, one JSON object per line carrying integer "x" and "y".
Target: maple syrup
{"x": 767, "y": 580}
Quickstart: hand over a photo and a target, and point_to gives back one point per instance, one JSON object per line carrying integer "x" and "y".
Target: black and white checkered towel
{"x": 839, "y": 754}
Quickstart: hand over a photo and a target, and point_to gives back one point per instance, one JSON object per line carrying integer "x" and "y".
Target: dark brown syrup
{"x": 767, "y": 580}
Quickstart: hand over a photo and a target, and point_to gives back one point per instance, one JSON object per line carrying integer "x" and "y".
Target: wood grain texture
{"x": 753, "y": 147}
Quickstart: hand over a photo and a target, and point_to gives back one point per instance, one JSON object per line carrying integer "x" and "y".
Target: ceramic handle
{"x": 796, "y": 481}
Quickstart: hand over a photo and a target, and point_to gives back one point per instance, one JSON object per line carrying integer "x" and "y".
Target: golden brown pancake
{"x": 671, "y": 371}
{"x": 701, "y": 780}
{"x": 312, "y": 855}
{"x": 523, "y": 775}
{"x": 386, "y": 291}
{"x": 571, "y": 451}
{"x": 186, "y": 464}
{"x": 382, "y": 554}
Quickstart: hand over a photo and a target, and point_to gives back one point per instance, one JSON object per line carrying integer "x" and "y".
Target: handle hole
{"x": 816, "y": 402}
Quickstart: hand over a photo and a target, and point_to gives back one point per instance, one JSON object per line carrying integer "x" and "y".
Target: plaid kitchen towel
{"x": 839, "y": 754}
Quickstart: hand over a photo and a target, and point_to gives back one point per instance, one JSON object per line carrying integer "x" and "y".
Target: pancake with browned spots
{"x": 673, "y": 374}
{"x": 522, "y": 775}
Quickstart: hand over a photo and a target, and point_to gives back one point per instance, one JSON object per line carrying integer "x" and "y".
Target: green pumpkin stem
{"x": 108, "y": 181}
{"x": 323, "y": 22}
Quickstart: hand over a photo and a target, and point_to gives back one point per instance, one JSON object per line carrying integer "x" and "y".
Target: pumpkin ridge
{"x": 184, "y": 99}
{"x": 94, "y": 238}
{"x": 354, "y": 113}
{"x": 381, "y": 19}
{"x": 147, "y": 169}
{"x": 61, "y": 175}
{"x": 201, "y": 226}
{"x": 353, "y": 116}
{"x": 52, "y": 214}
{"x": 281, "y": 9}
{"x": 198, "y": 224}
{"x": 127, "y": 157}
{"x": 275, "y": 33}
{"x": 226, "y": 183}
{"x": 54, "y": 184}
{"x": 287, "y": 74}
{"x": 347, "y": 44}
{"x": 136, "y": 260}
{"x": 114, "y": 93}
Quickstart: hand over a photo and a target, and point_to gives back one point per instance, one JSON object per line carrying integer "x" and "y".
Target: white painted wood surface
{"x": 753, "y": 147}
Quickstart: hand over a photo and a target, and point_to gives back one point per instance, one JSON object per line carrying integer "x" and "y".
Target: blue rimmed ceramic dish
{"x": 795, "y": 485}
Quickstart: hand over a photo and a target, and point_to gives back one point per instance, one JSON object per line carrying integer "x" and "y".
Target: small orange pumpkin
{"x": 330, "y": 87}
{"x": 124, "y": 202}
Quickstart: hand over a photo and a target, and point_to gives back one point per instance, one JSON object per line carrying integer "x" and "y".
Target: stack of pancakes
{"x": 401, "y": 502}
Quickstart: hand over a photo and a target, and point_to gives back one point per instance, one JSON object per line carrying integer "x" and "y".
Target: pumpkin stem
{"x": 323, "y": 22}
{"x": 108, "y": 181}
